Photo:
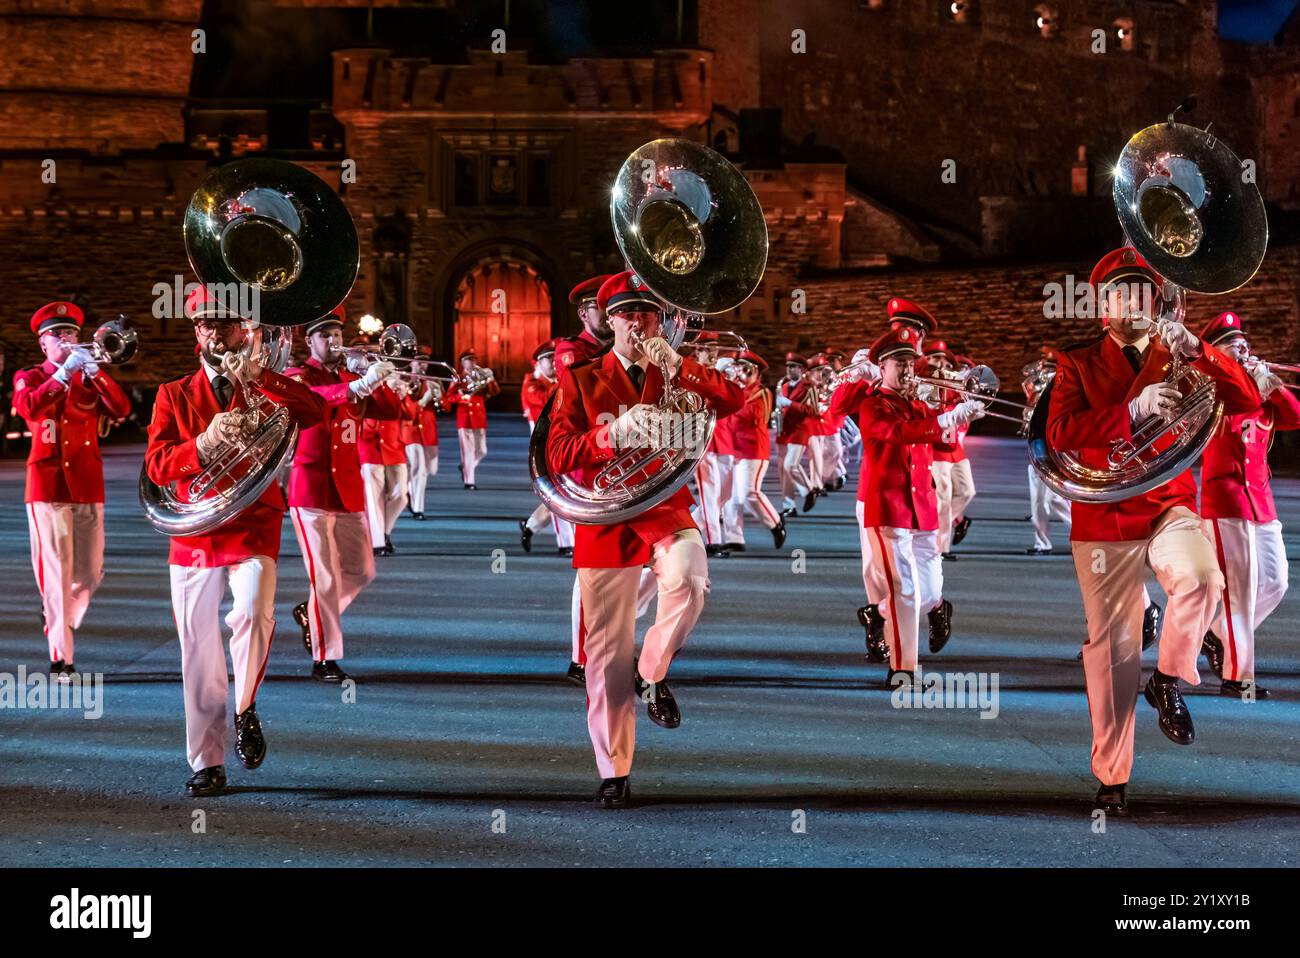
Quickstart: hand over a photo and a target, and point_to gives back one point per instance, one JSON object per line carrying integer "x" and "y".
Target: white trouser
{"x": 1252, "y": 558}
{"x": 1043, "y": 504}
{"x": 1110, "y": 580}
{"x": 385, "y": 498}
{"x": 421, "y": 466}
{"x": 67, "y": 541}
{"x": 647, "y": 589}
{"x": 337, "y": 551}
{"x": 747, "y": 493}
{"x": 196, "y": 604}
{"x": 963, "y": 489}
{"x": 795, "y": 481}
{"x": 609, "y": 598}
{"x": 942, "y": 473}
{"x": 708, "y": 501}
{"x": 906, "y": 573}
{"x": 816, "y": 478}
{"x": 871, "y": 584}
{"x": 832, "y": 457}
{"x": 473, "y": 448}
{"x": 563, "y": 528}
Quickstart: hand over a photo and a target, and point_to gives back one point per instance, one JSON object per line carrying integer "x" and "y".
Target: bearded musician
{"x": 1101, "y": 391}
{"x": 196, "y": 418}
{"x": 602, "y": 408}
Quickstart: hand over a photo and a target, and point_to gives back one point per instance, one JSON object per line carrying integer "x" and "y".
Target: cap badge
{"x": 61, "y": 309}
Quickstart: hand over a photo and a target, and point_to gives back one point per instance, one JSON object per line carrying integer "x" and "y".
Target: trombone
{"x": 1254, "y": 362}
{"x": 397, "y": 345}
{"x": 979, "y": 383}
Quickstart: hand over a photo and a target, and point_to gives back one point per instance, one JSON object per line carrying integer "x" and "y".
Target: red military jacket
{"x": 1089, "y": 410}
{"x": 590, "y": 397}
{"x": 534, "y": 393}
{"x": 471, "y": 411}
{"x": 847, "y": 401}
{"x": 327, "y": 466}
{"x": 182, "y": 410}
{"x": 576, "y": 349}
{"x": 895, "y": 485}
{"x": 381, "y": 438}
{"x": 750, "y": 437}
{"x": 64, "y": 464}
{"x": 800, "y": 419}
{"x": 1234, "y": 471}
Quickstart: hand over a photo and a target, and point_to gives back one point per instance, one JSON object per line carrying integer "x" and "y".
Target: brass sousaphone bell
{"x": 280, "y": 232}
{"x": 690, "y": 227}
{"x": 1185, "y": 206}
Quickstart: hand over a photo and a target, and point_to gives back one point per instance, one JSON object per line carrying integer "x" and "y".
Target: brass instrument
{"x": 279, "y": 229}
{"x": 1254, "y": 362}
{"x": 977, "y": 382}
{"x": 690, "y": 227}
{"x": 1185, "y": 208}
{"x": 114, "y": 344}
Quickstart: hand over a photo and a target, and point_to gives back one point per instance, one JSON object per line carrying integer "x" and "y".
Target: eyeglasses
{"x": 210, "y": 328}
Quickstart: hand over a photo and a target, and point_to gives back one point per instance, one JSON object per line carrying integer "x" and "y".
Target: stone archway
{"x": 502, "y": 310}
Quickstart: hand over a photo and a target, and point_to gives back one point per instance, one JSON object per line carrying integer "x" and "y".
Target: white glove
{"x": 225, "y": 427}
{"x": 75, "y": 362}
{"x": 371, "y": 378}
{"x": 925, "y": 392}
{"x": 861, "y": 356}
{"x": 636, "y": 427}
{"x": 490, "y": 373}
{"x": 357, "y": 363}
{"x": 91, "y": 368}
{"x": 961, "y": 414}
{"x": 429, "y": 394}
{"x": 1179, "y": 340}
{"x": 1158, "y": 399}
{"x": 723, "y": 364}
{"x": 239, "y": 368}
{"x": 868, "y": 371}
{"x": 782, "y": 401}
{"x": 658, "y": 351}
{"x": 1266, "y": 380}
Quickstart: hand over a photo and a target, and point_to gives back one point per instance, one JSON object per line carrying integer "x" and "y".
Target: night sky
{"x": 1253, "y": 21}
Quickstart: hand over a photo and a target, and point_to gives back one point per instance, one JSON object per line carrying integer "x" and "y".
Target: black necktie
{"x": 1134, "y": 358}
{"x": 221, "y": 386}
{"x": 637, "y": 375}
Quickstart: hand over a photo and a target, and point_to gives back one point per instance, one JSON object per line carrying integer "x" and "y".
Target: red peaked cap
{"x": 907, "y": 312}
{"x": 1222, "y": 328}
{"x": 56, "y": 315}
{"x": 335, "y": 317}
{"x": 587, "y": 289}
{"x": 545, "y": 349}
{"x": 624, "y": 291}
{"x": 899, "y": 339}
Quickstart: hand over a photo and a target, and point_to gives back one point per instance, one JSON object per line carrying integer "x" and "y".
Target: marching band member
{"x": 833, "y": 467}
{"x": 624, "y": 387}
{"x": 62, "y": 400}
{"x": 594, "y": 339}
{"x": 708, "y": 474}
{"x": 938, "y": 363}
{"x": 327, "y": 496}
{"x": 1101, "y": 390}
{"x": 471, "y": 415}
{"x": 798, "y": 419}
{"x": 963, "y": 482}
{"x": 1237, "y": 504}
{"x": 905, "y": 313}
{"x": 420, "y": 436}
{"x": 383, "y": 464}
{"x": 817, "y": 372}
{"x": 899, "y": 509}
{"x": 538, "y": 387}
{"x": 750, "y": 445}
{"x": 1044, "y": 503}
{"x": 194, "y": 417}
{"x": 845, "y": 401}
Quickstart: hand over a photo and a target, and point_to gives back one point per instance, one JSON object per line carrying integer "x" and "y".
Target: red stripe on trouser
{"x": 756, "y": 477}
{"x": 261, "y": 674}
{"x": 317, "y": 638}
{"x": 40, "y": 573}
{"x": 1227, "y": 603}
{"x": 897, "y": 651}
{"x": 582, "y": 631}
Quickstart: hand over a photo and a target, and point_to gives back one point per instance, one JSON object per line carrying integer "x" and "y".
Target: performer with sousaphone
{"x": 220, "y": 435}
{"x": 1127, "y": 413}
{"x": 624, "y": 432}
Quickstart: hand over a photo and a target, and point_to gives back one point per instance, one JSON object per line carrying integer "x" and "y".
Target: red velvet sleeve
{"x": 1072, "y": 423}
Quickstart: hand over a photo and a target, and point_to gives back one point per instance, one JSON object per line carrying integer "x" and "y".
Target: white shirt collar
{"x": 642, "y": 362}
{"x": 1141, "y": 344}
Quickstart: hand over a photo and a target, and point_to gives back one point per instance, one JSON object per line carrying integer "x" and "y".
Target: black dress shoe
{"x": 712, "y": 549}
{"x": 1151, "y": 625}
{"x": 822, "y": 491}
{"x": 300, "y": 616}
{"x": 940, "y": 626}
{"x": 379, "y": 551}
{"x": 250, "y": 745}
{"x": 789, "y": 513}
{"x": 56, "y": 667}
{"x": 949, "y": 557}
{"x": 839, "y": 483}
{"x": 1035, "y": 551}
{"x": 1243, "y": 690}
{"x": 1111, "y": 799}
{"x": 525, "y": 535}
{"x": 1167, "y": 699}
{"x": 418, "y": 516}
{"x": 577, "y": 674}
{"x": 960, "y": 529}
{"x": 778, "y": 534}
{"x": 810, "y": 500}
{"x": 388, "y": 546}
{"x": 613, "y": 793}
{"x": 565, "y": 551}
{"x": 470, "y": 485}
{"x": 1212, "y": 649}
{"x": 660, "y": 705}
{"x": 67, "y": 674}
{"x": 734, "y": 546}
{"x": 328, "y": 671}
{"x": 898, "y": 677}
{"x": 874, "y": 623}
{"x": 206, "y": 781}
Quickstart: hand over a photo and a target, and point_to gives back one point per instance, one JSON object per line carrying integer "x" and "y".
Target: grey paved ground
{"x": 462, "y": 717}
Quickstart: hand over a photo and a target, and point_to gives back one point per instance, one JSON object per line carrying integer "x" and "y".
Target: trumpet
{"x": 113, "y": 344}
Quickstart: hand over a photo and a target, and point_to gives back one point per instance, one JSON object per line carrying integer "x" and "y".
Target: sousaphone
{"x": 692, "y": 230}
